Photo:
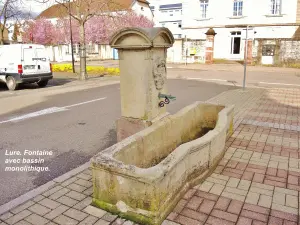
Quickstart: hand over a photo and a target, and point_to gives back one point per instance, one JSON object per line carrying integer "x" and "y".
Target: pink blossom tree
{"x": 40, "y": 31}
{"x": 27, "y": 31}
{"x": 131, "y": 19}
{"x": 62, "y": 28}
{"x": 98, "y": 29}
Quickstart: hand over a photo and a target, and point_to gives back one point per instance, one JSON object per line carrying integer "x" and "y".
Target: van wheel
{"x": 42, "y": 83}
{"x": 11, "y": 83}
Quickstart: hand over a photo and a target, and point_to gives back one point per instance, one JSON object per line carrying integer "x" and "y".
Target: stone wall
{"x": 196, "y": 50}
{"x": 279, "y": 51}
{"x": 289, "y": 51}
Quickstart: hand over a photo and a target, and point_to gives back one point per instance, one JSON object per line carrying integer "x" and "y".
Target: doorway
{"x": 235, "y": 49}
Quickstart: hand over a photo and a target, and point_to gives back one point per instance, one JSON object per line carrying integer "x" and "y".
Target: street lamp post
{"x": 245, "y": 58}
{"x": 71, "y": 37}
{"x": 186, "y": 50}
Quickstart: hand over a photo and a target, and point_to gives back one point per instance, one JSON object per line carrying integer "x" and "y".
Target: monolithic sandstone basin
{"x": 143, "y": 177}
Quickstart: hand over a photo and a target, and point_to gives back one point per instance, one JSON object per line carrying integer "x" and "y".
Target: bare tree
{"x": 82, "y": 11}
{"x": 10, "y": 13}
{"x": 16, "y": 33}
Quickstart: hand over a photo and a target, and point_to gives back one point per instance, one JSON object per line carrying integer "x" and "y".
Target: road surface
{"x": 231, "y": 74}
{"x": 269, "y": 78}
{"x": 74, "y": 127}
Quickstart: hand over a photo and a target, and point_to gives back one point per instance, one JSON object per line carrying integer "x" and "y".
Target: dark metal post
{"x": 245, "y": 58}
{"x": 71, "y": 36}
{"x": 186, "y": 50}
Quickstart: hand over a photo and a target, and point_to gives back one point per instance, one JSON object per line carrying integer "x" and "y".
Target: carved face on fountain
{"x": 159, "y": 73}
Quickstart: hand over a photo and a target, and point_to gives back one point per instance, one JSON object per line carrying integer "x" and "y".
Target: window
{"x": 275, "y": 7}
{"x": 76, "y": 48}
{"x": 177, "y": 35}
{"x": 235, "y": 43}
{"x": 67, "y": 48}
{"x": 28, "y": 53}
{"x": 41, "y": 53}
{"x": 237, "y": 7}
{"x": 171, "y": 6}
{"x": 90, "y": 49}
{"x": 203, "y": 8}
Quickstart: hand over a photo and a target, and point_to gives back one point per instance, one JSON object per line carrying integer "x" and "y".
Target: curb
{"x": 89, "y": 83}
{"x": 39, "y": 190}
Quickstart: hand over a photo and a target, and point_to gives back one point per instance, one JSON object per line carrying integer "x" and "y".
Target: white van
{"x": 24, "y": 63}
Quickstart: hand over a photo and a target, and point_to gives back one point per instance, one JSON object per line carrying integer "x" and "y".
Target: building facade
{"x": 168, "y": 13}
{"x": 228, "y": 19}
{"x": 229, "y": 42}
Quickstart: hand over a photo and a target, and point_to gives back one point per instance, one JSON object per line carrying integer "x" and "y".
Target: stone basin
{"x": 144, "y": 176}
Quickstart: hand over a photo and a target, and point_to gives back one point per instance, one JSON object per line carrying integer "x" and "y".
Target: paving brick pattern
{"x": 256, "y": 183}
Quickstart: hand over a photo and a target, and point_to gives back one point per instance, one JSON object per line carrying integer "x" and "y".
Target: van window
{"x": 41, "y": 54}
{"x": 28, "y": 54}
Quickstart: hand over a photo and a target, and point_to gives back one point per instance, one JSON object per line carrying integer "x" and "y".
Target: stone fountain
{"x": 159, "y": 156}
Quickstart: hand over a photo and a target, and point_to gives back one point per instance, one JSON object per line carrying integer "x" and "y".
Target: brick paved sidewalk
{"x": 256, "y": 183}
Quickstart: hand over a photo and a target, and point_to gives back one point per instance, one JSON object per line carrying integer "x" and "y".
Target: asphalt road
{"x": 270, "y": 79}
{"x": 74, "y": 126}
{"x": 230, "y": 74}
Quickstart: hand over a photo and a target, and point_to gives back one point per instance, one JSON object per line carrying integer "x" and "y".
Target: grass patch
{"x": 226, "y": 61}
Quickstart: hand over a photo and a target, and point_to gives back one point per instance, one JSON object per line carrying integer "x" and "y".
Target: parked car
{"x": 24, "y": 63}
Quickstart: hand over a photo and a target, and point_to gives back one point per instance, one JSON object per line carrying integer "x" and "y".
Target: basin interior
{"x": 165, "y": 136}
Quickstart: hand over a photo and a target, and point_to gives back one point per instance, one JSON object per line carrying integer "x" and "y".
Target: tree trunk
{"x": 83, "y": 74}
{"x": 2, "y": 37}
{"x": 53, "y": 53}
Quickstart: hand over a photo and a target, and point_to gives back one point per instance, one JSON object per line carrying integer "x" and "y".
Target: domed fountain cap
{"x": 211, "y": 31}
{"x": 135, "y": 37}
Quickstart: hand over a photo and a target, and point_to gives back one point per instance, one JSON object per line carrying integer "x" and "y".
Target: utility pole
{"x": 71, "y": 37}
{"x": 186, "y": 50}
{"x": 245, "y": 58}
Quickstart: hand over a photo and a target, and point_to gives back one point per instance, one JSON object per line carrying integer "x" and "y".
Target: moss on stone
{"x": 135, "y": 217}
{"x": 107, "y": 195}
{"x": 105, "y": 206}
{"x": 149, "y": 202}
{"x": 230, "y": 128}
{"x": 145, "y": 117}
